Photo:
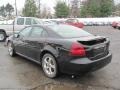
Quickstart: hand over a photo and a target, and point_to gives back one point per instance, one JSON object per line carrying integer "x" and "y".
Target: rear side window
{"x": 36, "y": 32}
{"x": 28, "y": 21}
{"x": 20, "y": 21}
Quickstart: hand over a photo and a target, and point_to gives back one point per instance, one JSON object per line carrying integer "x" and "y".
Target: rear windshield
{"x": 68, "y": 31}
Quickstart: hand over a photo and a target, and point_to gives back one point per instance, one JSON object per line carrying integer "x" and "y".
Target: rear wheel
{"x": 49, "y": 66}
{"x": 11, "y": 49}
{"x": 2, "y": 36}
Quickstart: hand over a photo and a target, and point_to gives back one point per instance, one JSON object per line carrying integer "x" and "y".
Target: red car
{"x": 74, "y": 22}
{"x": 114, "y": 24}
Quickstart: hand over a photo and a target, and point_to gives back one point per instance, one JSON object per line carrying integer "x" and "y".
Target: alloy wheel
{"x": 49, "y": 66}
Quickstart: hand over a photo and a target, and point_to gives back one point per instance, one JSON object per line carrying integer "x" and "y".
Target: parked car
{"x": 61, "y": 48}
{"x": 18, "y": 24}
{"x": 74, "y": 22}
{"x": 114, "y": 24}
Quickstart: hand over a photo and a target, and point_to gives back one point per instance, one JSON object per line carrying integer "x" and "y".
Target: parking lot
{"x": 18, "y": 73}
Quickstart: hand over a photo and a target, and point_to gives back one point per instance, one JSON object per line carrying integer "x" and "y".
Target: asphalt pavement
{"x": 18, "y": 73}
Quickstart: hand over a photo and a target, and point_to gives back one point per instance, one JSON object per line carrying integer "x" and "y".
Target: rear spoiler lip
{"x": 85, "y": 45}
{"x": 93, "y": 38}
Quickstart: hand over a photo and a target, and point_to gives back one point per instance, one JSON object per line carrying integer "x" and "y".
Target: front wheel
{"x": 11, "y": 49}
{"x": 2, "y": 36}
{"x": 49, "y": 66}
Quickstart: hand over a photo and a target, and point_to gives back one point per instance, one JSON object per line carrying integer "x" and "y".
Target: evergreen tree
{"x": 61, "y": 10}
{"x": 9, "y": 9}
{"x": 97, "y": 8}
{"x": 30, "y": 9}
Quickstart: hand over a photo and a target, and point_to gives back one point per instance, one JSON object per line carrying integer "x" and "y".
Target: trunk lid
{"x": 96, "y": 47}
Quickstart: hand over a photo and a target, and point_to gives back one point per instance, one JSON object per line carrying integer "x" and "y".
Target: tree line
{"x": 97, "y": 8}
{"x": 32, "y": 10}
{"x": 89, "y": 8}
{"x": 6, "y": 10}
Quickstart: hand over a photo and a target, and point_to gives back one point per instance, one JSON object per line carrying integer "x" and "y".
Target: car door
{"x": 35, "y": 42}
{"x": 19, "y": 42}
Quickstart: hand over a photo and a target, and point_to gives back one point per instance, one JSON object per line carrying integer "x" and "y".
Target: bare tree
{"x": 45, "y": 13}
{"x": 9, "y": 10}
{"x": 75, "y": 8}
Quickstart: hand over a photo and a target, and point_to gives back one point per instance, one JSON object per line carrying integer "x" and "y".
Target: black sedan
{"x": 61, "y": 48}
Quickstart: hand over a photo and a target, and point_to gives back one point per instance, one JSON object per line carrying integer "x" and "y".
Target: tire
{"x": 11, "y": 49}
{"x": 114, "y": 27}
{"x": 2, "y": 36}
{"x": 119, "y": 28}
{"x": 49, "y": 66}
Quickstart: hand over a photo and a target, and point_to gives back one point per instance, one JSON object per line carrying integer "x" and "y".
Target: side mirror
{"x": 16, "y": 35}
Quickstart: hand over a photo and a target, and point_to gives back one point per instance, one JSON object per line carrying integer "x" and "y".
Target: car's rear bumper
{"x": 84, "y": 65}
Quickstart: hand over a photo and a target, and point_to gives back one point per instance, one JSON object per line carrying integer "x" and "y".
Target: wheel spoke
{"x": 49, "y": 60}
{"x": 46, "y": 62}
{"x": 50, "y": 70}
{"x": 52, "y": 66}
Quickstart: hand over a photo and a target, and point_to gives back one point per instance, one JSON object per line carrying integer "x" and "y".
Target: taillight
{"x": 77, "y": 50}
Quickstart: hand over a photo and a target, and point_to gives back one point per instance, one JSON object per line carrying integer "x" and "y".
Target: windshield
{"x": 68, "y": 31}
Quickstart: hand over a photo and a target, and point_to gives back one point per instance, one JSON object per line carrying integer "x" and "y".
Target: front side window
{"x": 20, "y": 21}
{"x": 36, "y": 32}
{"x": 25, "y": 32}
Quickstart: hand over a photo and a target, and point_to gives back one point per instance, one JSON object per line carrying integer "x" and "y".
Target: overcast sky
{"x": 20, "y": 3}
